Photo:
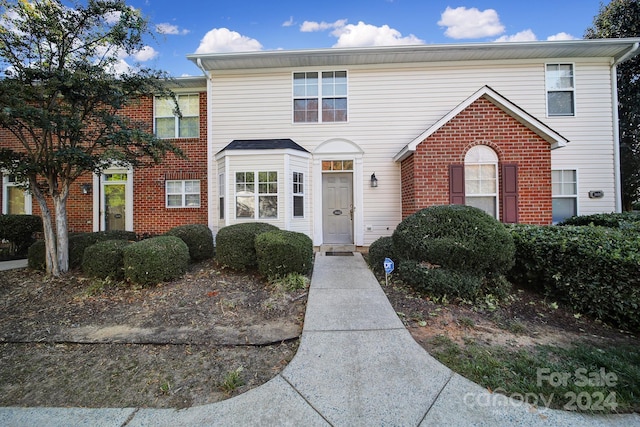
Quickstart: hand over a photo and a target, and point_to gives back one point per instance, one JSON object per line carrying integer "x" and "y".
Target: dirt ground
{"x": 82, "y": 342}
{"x": 526, "y": 320}
{"x": 89, "y": 343}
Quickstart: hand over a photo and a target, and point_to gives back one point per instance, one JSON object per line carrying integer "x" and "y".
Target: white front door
{"x": 337, "y": 208}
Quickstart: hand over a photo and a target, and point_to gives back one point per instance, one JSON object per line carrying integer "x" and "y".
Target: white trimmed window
{"x": 320, "y": 97}
{"x": 560, "y": 84}
{"x": 221, "y": 191}
{"x": 167, "y": 122}
{"x": 265, "y": 198}
{"x": 183, "y": 194}
{"x": 481, "y": 179}
{"x": 298, "y": 195}
{"x": 564, "y": 185}
{"x": 15, "y": 201}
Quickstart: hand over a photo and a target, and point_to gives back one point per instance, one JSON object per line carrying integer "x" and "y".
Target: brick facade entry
{"x": 425, "y": 173}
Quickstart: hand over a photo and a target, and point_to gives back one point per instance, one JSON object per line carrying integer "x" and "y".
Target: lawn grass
{"x": 583, "y": 378}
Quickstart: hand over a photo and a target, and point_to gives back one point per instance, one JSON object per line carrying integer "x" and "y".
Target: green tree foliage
{"x": 62, "y": 93}
{"x": 621, "y": 18}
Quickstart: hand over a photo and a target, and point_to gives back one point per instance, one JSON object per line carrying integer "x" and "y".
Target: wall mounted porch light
{"x": 374, "y": 180}
{"x": 85, "y": 188}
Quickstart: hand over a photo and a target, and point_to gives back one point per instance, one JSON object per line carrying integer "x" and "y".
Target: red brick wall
{"x": 425, "y": 173}
{"x": 149, "y": 212}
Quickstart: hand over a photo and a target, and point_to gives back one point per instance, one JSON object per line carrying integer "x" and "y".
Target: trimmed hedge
{"x": 36, "y": 256}
{"x": 105, "y": 259}
{"x": 281, "y": 252}
{"x": 155, "y": 260}
{"x": 594, "y": 270}
{"x": 78, "y": 242}
{"x": 199, "y": 240}
{"x": 379, "y": 250}
{"x": 235, "y": 244}
{"x": 456, "y": 237}
{"x": 20, "y": 230}
{"x": 612, "y": 220}
{"x": 455, "y": 251}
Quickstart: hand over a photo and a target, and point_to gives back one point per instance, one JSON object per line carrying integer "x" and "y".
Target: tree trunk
{"x": 51, "y": 255}
{"x": 60, "y": 207}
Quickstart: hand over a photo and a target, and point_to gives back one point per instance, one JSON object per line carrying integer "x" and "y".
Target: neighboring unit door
{"x": 114, "y": 201}
{"x": 337, "y": 208}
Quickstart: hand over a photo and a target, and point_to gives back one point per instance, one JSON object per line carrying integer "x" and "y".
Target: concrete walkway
{"x": 356, "y": 366}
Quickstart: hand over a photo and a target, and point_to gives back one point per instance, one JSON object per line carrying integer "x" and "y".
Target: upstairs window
{"x": 167, "y": 122}
{"x": 320, "y": 97}
{"x": 560, "y": 90}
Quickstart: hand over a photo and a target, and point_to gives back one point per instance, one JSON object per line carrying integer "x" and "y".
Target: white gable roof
{"x": 545, "y": 132}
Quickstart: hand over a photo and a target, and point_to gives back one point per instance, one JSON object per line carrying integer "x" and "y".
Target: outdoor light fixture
{"x": 86, "y": 188}
{"x": 374, "y": 180}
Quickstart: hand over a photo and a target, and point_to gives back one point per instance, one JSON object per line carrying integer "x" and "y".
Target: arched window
{"x": 481, "y": 179}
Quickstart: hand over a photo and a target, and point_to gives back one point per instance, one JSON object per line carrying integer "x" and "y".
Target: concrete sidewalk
{"x": 356, "y": 365}
{"x": 12, "y": 265}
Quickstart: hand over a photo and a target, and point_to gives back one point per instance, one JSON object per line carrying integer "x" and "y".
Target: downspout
{"x": 616, "y": 125}
{"x": 211, "y": 190}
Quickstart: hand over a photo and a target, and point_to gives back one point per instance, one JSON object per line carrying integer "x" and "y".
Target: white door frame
{"x": 338, "y": 149}
{"x": 98, "y": 199}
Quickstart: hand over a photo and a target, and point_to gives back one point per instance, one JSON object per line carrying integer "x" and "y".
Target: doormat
{"x": 338, "y": 253}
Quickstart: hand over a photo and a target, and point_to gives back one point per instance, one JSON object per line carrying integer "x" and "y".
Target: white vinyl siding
{"x": 390, "y": 105}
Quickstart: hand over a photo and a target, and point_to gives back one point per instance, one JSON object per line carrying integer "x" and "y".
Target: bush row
{"x": 595, "y": 270}
{"x": 455, "y": 251}
{"x": 613, "y": 220}
{"x": 276, "y": 253}
{"x": 20, "y": 230}
{"x": 114, "y": 253}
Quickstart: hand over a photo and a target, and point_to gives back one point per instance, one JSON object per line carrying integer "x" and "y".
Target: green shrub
{"x": 198, "y": 238}
{"x": 439, "y": 282}
{"x": 594, "y": 270}
{"x": 155, "y": 260}
{"x": 379, "y": 250}
{"x": 235, "y": 244}
{"x": 20, "y": 230}
{"x": 105, "y": 259}
{"x": 78, "y": 242}
{"x": 613, "y": 220}
{"x": 455, "y": 237}
{"x": 36, "y": 256}
{"x": 281, "y": 252}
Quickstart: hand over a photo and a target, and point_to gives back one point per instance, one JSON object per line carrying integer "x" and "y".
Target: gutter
{"x": 633, "y": 50}
{"x": 211, "y": 176}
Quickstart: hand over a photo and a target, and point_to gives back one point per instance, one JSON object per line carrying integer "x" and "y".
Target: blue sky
{"x": 237, "y": 25}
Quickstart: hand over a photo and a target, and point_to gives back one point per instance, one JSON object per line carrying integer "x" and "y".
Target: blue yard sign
{"x": 388, "y": 265}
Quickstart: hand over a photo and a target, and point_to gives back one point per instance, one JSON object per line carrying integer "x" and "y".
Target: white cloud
{"x": 522, "y": 36}
{"x": 463, "y": 23}
{"x": 312, "y": 26}
{"x": 166, "y": 28}
{"x": 561, "y": 36}
{"x": 112, "y": 17}
{"x": 225, "y": 40}
{"x": 369, "y": 35}
{"x": 288, "y": 23}
{"x": 145, "y": 54}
